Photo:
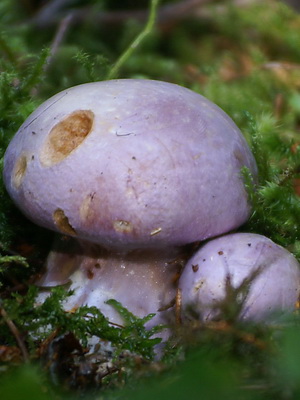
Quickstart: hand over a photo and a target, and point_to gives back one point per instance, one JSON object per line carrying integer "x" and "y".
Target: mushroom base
{"x": 143, "y": 281}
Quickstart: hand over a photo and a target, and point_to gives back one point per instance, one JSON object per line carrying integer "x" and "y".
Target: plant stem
{"x": 14, "y": 330}
{"x": 137, "y": 41}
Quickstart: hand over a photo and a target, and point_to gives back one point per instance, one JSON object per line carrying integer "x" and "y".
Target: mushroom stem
{"x": 143, "y": 281}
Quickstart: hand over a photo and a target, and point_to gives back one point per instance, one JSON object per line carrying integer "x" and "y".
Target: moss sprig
{"x": 37, "y": 321}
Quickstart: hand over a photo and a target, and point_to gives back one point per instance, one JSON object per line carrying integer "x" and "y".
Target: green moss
{"x": 246, "y": 59}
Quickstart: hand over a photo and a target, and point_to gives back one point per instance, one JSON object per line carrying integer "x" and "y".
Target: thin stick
{"x": 51, "y": 12}
{"x": 166, "y": 14}
{"x": 178, "y": 307}
{"x": 59, "y": 37}
{"x": 14, "y": 330}
{"x": 137, "y": 41}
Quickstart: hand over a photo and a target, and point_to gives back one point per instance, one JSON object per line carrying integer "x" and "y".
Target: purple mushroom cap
{"x": 274, "y": 287}
{"x": 130, "y": 164}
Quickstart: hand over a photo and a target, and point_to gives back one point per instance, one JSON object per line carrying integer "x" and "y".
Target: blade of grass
{"x": 136, "y": 42}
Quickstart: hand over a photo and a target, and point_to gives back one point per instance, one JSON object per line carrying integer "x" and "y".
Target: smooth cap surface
{"x": 274, "y": 273}
{"x": 130, "y": 164}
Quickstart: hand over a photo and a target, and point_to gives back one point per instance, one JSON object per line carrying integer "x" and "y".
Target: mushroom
{"x": 132, "y": 171}
{"x": 266, "y": 278}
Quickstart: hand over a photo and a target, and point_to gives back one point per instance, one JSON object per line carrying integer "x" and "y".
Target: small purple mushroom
{"x": 273, "y": 272}
{"x": 132, "y": 170}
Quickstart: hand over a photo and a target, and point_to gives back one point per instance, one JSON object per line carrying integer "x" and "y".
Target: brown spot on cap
{"x": 85, "y": 207}
{"x": 239, "y": 156}
{"x": 19, "y": 171}
{"x": 90, "y": 274}
{"x": 62, "y": 222}
{"x": 195, "y": 267}
{"x": 122, "y": 226}
{"x": 198, "y": 285}
{"x": 66, "y": 136}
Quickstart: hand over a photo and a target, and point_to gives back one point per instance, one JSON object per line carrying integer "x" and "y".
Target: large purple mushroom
{"x": 267, "y": 275}
{"x": 133, "y": 171}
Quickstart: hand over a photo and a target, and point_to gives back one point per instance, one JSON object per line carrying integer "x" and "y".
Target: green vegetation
{"x": 245, "y": 59}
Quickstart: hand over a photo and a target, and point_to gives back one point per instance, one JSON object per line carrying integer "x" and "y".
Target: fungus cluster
{"x": 133, "y": 172}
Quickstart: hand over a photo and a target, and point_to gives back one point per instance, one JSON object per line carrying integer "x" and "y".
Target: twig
{"x": 165, "y": 14}
{"x": 247, "y": 337}
{"x": 50, "y": 12}
{"x": 178, "y": 307}
{"x": 137, "y": 41}
{"x": 58, "y": 38}
{"x": 14, "y": 330}
{"x": 168, "y": 13}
